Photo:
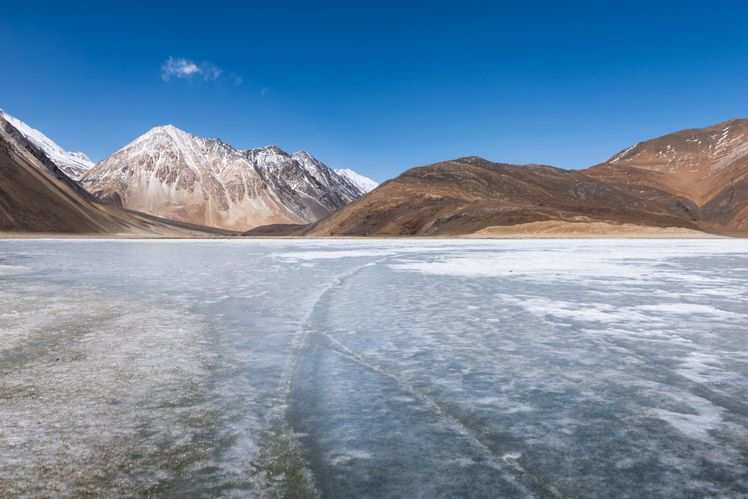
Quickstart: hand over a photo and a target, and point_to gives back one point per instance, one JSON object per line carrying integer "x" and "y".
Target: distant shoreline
{"x": 471, "y": 237}
{"x": 548, "y": 229}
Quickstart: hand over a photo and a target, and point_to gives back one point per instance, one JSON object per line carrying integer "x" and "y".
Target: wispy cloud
{"x": 177, "y": 67}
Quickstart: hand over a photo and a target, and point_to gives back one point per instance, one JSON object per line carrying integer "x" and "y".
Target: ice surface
{"x": 396, "y": 368}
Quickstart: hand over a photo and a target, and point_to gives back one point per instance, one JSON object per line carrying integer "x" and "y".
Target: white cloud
{"x": 176, "y": 67}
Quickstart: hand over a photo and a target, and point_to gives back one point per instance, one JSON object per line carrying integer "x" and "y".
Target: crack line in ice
{"x": 285, "y": 386}
{"x": 493, "y": 460}
{"x": 498, "y": 462}
{"x": 303, "y": 332}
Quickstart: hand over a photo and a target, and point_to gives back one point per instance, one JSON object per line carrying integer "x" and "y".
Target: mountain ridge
{"x": 692, "y": 179}
{"x": 171, "y": 173}
{"x": 695, "y": 179}
{"x": 465, "y": 195}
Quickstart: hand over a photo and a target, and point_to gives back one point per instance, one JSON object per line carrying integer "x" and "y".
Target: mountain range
{"x": 172, "y": 174}
{"x": 467, "y": 195}
{"x": 36, "y": 195}
{"x": 170, "y": 180}
{"x": 693, "y": 179}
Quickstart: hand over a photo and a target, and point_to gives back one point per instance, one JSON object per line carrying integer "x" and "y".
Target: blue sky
{"x": 381, "y": 86}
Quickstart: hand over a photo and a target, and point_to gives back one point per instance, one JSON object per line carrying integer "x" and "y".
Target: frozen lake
{"x": 401, "y": 368}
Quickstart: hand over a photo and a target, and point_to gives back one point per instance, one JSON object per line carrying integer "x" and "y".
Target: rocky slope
{"x": 708, "y": 166}
{"x": 37, "y": 196}
{"x": 72, "y": 164}
{"x": 173, "y": 174}
{"x": 694, "y": 163}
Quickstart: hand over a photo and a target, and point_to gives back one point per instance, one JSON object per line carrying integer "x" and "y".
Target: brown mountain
{"x": 469, "y": 194}
{"x": 693, "y": 179}
{"x": 36, "y": 196}
{"x": 708, "y": 166}
{"x": 696, "y": 163}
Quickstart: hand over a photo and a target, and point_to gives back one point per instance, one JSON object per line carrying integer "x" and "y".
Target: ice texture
{"x": 374, "y": 368}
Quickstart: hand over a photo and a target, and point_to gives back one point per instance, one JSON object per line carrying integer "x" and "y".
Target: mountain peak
{"x": 161, "y": 135}
{"x": 166, "y": 129}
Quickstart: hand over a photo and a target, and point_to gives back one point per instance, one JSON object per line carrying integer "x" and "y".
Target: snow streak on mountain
{"x": 365, "y": 184}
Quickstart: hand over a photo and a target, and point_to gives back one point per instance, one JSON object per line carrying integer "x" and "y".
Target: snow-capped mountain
{"x": 173, "y": 174}
{"x": 364, "y": 184}
{"x": 73, "y": 164}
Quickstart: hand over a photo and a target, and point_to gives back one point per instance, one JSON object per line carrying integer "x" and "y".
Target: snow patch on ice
{"x": 704, "y": 418}
{"x": 689, "y": 309}
{"x": 637, "y": 262}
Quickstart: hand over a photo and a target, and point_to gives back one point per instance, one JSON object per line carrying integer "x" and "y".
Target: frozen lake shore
{"x": 388, "y": 368}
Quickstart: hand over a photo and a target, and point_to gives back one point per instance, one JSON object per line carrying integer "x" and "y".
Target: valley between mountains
{"x": 169, "y": 182}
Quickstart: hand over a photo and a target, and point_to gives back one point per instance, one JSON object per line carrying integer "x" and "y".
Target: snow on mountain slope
{"x": 328, "y": 177}
{"x": 173, "y": 174}
{"x": 73, "y": 164}
{"x": 364, "y": 184}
